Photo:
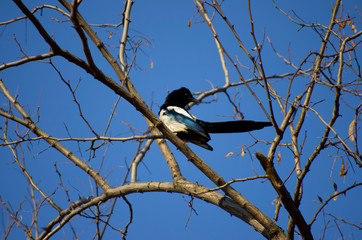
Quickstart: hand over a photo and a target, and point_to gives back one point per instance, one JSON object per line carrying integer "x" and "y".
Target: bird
{"x": 190, "y": 129}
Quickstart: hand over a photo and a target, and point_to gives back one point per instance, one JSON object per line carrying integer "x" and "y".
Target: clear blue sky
{"x": 180, "y": 56}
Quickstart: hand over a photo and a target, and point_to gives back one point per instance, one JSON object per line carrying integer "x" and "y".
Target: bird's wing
{"x": 179, "y": 120}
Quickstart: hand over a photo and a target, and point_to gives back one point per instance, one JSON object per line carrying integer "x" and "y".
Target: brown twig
{"x": 27, "y": 122}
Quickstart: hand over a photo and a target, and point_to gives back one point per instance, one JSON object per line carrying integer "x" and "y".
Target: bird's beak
{"x": 195, "y": 100}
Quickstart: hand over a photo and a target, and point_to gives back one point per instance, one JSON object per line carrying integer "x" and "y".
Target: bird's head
{"x": 180, "y": 98}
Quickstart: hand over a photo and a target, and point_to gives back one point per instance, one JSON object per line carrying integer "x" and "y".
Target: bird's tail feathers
{"x": 232, "y": 126}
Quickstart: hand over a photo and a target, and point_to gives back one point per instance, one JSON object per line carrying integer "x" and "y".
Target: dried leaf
{"x": 229, "y": 154}
{"x": 335, "y": 191}
{"x": 349, "y": 22}
{"x": 189, "y": 23}
{"x": 354, "y": 29}
{"x": 335, "y": 197}
{"x": 351, "y": 130}
{"x": 320, "y": 199}
{"x": 110, "y": 34}
{"x": 343, "y": 171}
{"x": 20, "y": 218}
{"x": 335, "y": 186}
{"x": 279, "y": 156}
{"x": 242, "y": 152}
{"x": 151, "y": 64}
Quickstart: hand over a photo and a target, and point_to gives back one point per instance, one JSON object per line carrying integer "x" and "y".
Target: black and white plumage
{"x": 190, "y": 129}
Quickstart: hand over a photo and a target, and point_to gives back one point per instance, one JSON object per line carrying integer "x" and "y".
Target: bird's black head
{"x": 180, "y": 98}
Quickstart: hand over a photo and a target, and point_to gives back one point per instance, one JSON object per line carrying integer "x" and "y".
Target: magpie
{"x": 190, "y": 129}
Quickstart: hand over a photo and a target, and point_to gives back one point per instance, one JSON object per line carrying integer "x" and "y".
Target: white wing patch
{"x": 171, "y": 123}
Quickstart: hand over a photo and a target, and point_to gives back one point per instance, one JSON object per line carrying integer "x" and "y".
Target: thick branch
{"x": 183, "y": 187}
{"x": 126, "y": 22}
{"x": 26, "y": 60}
{"x": 285, "y": 196}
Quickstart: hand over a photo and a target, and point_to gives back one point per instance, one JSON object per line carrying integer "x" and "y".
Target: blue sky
{"x": 171, "y": 55}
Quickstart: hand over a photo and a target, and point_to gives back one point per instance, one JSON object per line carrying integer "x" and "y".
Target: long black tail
{"x": 232, "y": 126}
